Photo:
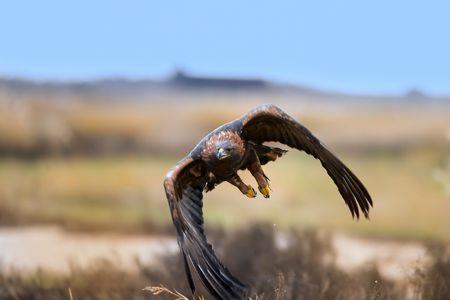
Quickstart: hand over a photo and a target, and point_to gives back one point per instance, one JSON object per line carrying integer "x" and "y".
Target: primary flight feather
{"x": 234, "y": 146}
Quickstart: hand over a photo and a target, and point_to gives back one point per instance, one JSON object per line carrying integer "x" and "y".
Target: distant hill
{"x": 181, "y": 81}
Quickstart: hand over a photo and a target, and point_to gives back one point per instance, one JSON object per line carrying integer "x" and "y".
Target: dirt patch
{"x": 30, "y": 248}
{"x": 395, "y": 260}
{"x": 53, "y": 249}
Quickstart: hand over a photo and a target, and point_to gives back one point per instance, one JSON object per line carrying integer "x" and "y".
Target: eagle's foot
{"x": 265, "y": 191}
{"x": 251, "y": 193}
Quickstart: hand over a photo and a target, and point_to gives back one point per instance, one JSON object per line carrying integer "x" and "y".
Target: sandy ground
{"x": 30, "y": 248}
{"x": 395, "y": 260}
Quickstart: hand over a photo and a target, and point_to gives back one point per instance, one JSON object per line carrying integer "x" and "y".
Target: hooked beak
{"x": 221, "y": 154}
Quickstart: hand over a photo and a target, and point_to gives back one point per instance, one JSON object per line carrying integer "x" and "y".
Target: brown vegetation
{"x": 78, "y": 178}
{"x": 301, "y": 269}
{"x": 35, "y": 127}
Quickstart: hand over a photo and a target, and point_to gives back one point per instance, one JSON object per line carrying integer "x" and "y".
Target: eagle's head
{"x": 225, "y": 146}
{"x": 225, "y": 149}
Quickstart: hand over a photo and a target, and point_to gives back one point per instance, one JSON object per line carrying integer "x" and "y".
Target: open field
{"x": 304, "y": 268}
{"x": 96, "y": 168}
{"x": 39, "y": 127}
{"x": 58, "y": 251}
{"x": 126, "y": 194}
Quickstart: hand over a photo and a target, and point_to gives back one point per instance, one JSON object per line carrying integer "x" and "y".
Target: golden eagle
{"x": 234, "y": 146}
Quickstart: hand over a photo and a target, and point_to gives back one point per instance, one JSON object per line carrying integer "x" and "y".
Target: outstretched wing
{"x": 269, "y": 123}
{"x": 184, "y": 186}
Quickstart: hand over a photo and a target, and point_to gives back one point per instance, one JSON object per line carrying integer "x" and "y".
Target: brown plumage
{"x": 217, "y": 158}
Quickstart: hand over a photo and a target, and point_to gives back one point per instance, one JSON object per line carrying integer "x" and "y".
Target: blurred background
{"x": 99, "y": 99}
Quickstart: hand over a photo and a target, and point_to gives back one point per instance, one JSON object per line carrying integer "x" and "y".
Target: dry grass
{"x": 304, "y": 269}
{"x": 126, "y": 194}
{"x": 400, "y": 152}
{"x": 38, "y": 127}
{"x": 159, "y": 290}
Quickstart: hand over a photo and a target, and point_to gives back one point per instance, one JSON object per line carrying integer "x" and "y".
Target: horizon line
{"x": 172, "y": 74}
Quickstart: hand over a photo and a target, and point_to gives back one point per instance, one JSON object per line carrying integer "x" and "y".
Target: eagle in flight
{"x": 234, "y": 146}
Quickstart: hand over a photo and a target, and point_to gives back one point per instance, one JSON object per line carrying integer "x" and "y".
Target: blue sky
{"x": 357, "y": 46}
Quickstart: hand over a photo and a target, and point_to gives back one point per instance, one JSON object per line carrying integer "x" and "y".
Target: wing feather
{"x": 184, "y": 192}
{"x": 269, "y": 123}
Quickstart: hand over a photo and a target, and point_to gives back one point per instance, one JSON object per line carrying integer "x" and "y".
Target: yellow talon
{"x": 265, "y": 191}
{"x": 251, "y": 193}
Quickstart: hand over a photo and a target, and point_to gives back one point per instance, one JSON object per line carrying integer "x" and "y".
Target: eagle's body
{"x": 217, "y": 158}
{"x": 244, "y": 155}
